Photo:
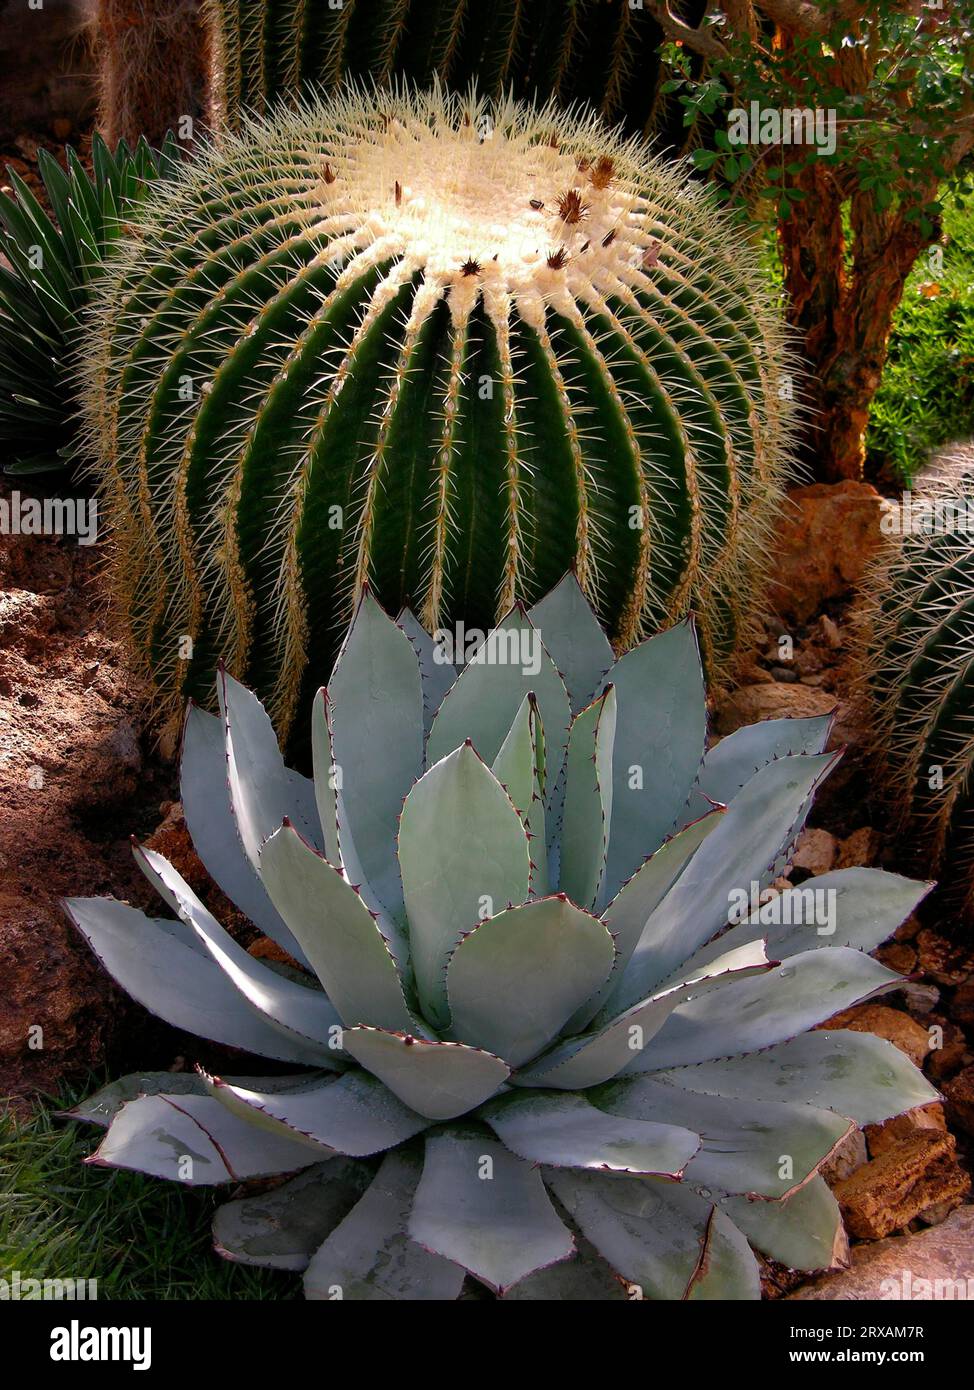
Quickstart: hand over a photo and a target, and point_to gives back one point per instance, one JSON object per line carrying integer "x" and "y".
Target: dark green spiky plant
{"x": 442, "y": 348}
{"x": 603, "y": 52}
{"x": 52, "y": 265}
{"x": 916, "y": 640}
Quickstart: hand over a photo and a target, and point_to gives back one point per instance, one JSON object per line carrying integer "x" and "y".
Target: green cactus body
{"x": 916, "y": 679}
{"x": 603, "y": 53}
{"x": 444, "y": 349}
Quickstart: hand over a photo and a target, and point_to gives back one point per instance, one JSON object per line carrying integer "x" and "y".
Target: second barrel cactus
{"x": 443, "y": 348}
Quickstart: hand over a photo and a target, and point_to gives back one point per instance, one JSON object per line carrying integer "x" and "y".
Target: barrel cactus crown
{"x": 915, "y": 634}
{"x": 530, "y": 1054}
{"x": 444, "y": 348}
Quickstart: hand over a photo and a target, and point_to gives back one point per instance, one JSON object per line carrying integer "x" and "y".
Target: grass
{"x": 139, "y": 1237}
{"x": 926, "y": 397}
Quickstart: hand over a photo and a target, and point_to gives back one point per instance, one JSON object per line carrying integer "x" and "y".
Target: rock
{"x": 850, "y": 1155}
{"x": 962, "y": 1008}
{"x": 826, "y": 538}
{"x": 861, "y": 848}
{"x": 959, "y": 1095}
{"x": 785, "y": 674}
{"x": 919, "y": 999}
{"x": 880, "y": 1138}
{"x": 815, "y": 853}
{"x": 772, "y": 700}
{"x": 938, "y": 1263}
{"x": 898, "y": 1027}
{"x": 830, "y": 632}
{"x": 897, "y": 955}
{"x": 948, "y": 1046}
{"x": 890, "y": 1191}
{"x": 945, "y": 962}
{"x": 909, "y": 930}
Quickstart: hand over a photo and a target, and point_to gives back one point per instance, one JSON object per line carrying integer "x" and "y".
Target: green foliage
{"x": 897, "y": 82}
{"x": 60, "y": 1219}
{"x": 463, "y": 349}
{"x": 926, "y": 396}
{"x": 533, "y": 1057}
{"x": 53, "y": 263}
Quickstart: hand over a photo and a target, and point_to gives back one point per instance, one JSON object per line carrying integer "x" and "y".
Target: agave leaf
{"x": 763, "y": 819}
{"x": 179, "y": 985}
{"x": 745, "y": 1015}
{"x": 263, "y": 792}
{"x": 339, "y": 841}
{"x": 659, "y": 745}
{"x": 195, "y": 1140}
{"x": 325, "y": 779}
{"x": 336, "y": 931}
{"x": 282, "y": 1229}
{"x": 301, "y": 1013}
{"x": 758, "y": 1147}
{"x": 568, "y": 1131}
{"x": 729, "y": 765}
{"x": 483, "y": 701}
{"x": 573, "y": 637}
{"x": 664, "y": 1240}
{"x": 205, "y": 795}
{"x": 479, "y": 1205}
{"x": 436, "y": 672}
{"x": 850, "y": 907}
{"x": 376, "y": 699}
{"x": 865, "y": 1078}
{"x": 354, "y": 1114}
{"x": 102, "y": 1106}
{"x": 437, "y": 1079}
{"x": 369, "y": 1255}
{"x": 804, "y": 1231}
{"x": 464, "y": 856}
{"x": 630, "y": 909}
{"x": 589, "y": 1058}
{"x": 587, "y": 816}
{"x": 514, "y": 766}
{"x": 583, "y": 1277}
{"x": 514, "y": 980}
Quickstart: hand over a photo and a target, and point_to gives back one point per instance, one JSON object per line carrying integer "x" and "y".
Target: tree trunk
{"x": 844, "y": 315}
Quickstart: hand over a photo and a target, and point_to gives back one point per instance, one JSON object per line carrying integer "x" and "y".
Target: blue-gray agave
{"x": 538, "y": 1047}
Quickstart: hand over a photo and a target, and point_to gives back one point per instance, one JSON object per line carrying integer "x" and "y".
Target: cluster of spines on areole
{"x": 266, "y": 51}
{"x": 914, "y": 682}
{"x": 272, "y": 215}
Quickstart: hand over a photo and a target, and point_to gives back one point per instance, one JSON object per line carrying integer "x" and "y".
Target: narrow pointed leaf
{"x": 659, "y": 744}
{"x": 735, "y": 759}
{"x": 436, "y": 672}
{"x": 377, "y": 726}
{"x": 587, "y": 816}
{"x": 325, "y": 777}
{"x": 336, "y": 931}
{"x": 514, "y": 765}
{"x": 574, "y": 639}
{"x": 464, "y": 856}
{"x": 179, "y": 985}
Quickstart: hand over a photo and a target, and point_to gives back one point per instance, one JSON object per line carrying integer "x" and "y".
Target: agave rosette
{"x": 533, "y": 1051}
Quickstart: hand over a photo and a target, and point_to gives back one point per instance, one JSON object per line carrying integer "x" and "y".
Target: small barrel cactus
{"x": 443, "y": 349}
{"x": 46, "y": 282}
{"x": 915, "y": 630}
{"x": 263, "y": 52}
{"x": 531, "y": 1054}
